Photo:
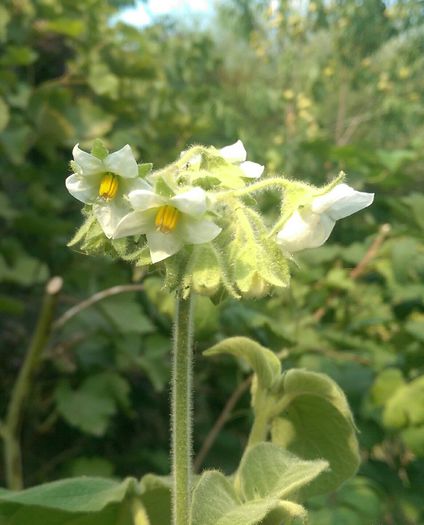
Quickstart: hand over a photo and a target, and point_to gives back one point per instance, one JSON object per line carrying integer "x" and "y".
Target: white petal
{"x": 341, "y": 202}
{"x": 163, "y": 245}
{"x": 305, "y": 230}
{"x": 138, "y": 183}
{"x": 122, "y": 162}
{"x": 234, "y": 152}
{"x": 134, "y": 223}
{"x": 192, "y": 202}
{"x": 145, "y": 199}
{"x": 252, "y": 170}
{"x": 109, "y": 214}
{"x": 89, "y": 164}
{"x": 198, "y": 232}
{"x": 83, "y": 189}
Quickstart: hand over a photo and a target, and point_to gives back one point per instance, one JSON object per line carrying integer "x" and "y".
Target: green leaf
{"x": 25, "y": 270}
{"x": 126, "y": 315}
{"x": 73, "y": 495}
{"x": 285, "y": 513}
{"x": 268, "y": 470}
{"x": 91, "y": 406}
{"x": 215, "y": 502}
{"x": 406, "y": 407}
{"x": 99, "y": 149}
{"x": 156, "y": 498}
{"x": 316, "y": 422}
{"x": 102, "y": 81}
{"x": 4, "y": 21}
{"x": 90, "y": 466}
{"x": 65, "y": 26}
{"x": 265, "y": 363}
{"x": 385, "y": 385}
{"x": 4, "y": 114}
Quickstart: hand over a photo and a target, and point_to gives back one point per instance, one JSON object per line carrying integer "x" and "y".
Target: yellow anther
{"x": 167, "y": 219}
{"x": 108, "y": 186}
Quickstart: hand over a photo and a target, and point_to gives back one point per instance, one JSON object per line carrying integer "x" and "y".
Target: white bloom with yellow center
{"x": 168, "y": 223}
{"x": 104, "y": 183}
{"x": 311, "y": 225}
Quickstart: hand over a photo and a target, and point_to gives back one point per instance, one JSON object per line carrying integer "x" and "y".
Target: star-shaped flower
{"x": 104, "y": 183}
{"x": 168, "y": 222}
{"x": 311, "y": 225}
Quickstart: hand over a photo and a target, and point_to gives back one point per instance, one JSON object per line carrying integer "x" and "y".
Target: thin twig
{"x": 372, "y": 252}
{"x": 360, "y": 268}
{"x": 99, "y": 296}
{"x": 220, "y": 422}
{"x": 21, "y": 389}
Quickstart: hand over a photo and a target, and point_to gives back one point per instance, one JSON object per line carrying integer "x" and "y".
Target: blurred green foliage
{"x": 337, "y": 85}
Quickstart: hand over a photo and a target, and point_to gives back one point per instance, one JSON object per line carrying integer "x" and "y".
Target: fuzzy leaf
{"x": 268, "y": 470}
{"x": 215, "y": 502}
{"x": 265, "y": 363}
{"x": 317, "y": 423}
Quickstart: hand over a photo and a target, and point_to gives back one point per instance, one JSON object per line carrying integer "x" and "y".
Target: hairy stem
{"x": 181, "y": 411}
{"x": 12, "y": 424}
{"x": 259, "y": 431}
{"x": 271, "y": 183}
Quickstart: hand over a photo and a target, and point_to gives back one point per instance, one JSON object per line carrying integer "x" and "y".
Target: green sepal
{"x": 144, "y": 169}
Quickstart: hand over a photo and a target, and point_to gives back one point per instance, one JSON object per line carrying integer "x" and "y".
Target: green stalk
{"x": 181, "y": 411}
{"x": 260, "y": 427}
{"x": 12, "y": 424}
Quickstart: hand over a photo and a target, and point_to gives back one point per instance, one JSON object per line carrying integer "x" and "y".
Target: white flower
{"x": 311, "y": 225}
{"x": 236, "y": 154}
{"x": 168, "y": 223}
{"x": 104, "y": 184}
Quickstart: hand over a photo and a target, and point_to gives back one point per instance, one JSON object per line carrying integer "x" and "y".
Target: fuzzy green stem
{"x": 12, "y": 424}
{"x": 271, "y": 183}
{"x": 181, "y": 411}
{"x": 259, "y": 430}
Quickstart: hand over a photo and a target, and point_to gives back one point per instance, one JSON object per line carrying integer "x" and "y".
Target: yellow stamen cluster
{"x": 167, "y": 219}
{"x": 108, "y": 186}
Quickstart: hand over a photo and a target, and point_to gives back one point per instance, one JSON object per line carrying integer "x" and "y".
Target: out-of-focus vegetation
{"x": 335, "y": 85}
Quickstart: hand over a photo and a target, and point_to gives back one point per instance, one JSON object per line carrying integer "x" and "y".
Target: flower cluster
{"x": 200, "y": 217}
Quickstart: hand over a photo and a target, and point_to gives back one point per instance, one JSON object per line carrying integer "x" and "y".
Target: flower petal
{"x": 198, "y": 232}
{"x": 305, "y": 230}
{"x": 163, "y": 245}
{"x": 341, "y": 202}
{"x": 89, "y": 164}
{"x": 135, "y": 223}
{"x": 122, "y": 162}
{"x": 144, "y": 199}
{"x": 252, "y": 170}
{"x": 83, "y": 189}
{"x": 109, "y": 214}
{"x": 192, "y": 202}
{"x": 234, "y": 152}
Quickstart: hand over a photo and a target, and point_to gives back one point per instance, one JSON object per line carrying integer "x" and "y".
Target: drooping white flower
{"x": 104, "y": 183}
{"x": 311, "y": 225}
{"x": 236, "y": 154}
{"x": 168, "y": 223}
